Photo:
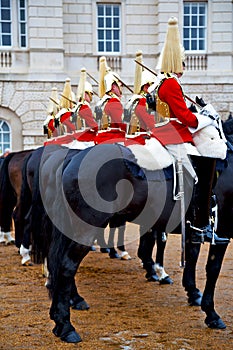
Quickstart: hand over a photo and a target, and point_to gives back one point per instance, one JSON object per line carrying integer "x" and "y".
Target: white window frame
{"x": 195, "y": 28}
{"x": 111, "y": 28}
{"x": 15, "y": 24}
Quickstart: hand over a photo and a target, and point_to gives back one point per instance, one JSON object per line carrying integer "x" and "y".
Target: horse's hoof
{"x": 152, "y": 277}
{"x": 215, "y": 324}
{"x": 104, "y": 250}
{"x": 27, "y": 263}
{"x": 166, "y": 280}
{"x": 72, "y": 337}
{"x": 125, "y": 256}
{"x": 10, "y": 242}
{"x": 195, "y": 299}
{"x": 92, "y": 248}
{"x": 82, "y": 305}
{"x": 114, "y": 256}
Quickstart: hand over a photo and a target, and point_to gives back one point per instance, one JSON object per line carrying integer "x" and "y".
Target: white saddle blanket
{"x": 152, "y": 155}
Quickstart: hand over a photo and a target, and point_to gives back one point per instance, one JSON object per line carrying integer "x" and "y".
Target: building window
{"x": 195, "y": 26}
{"x": 108, "y": 28}
{"x": 13, "y": 19}
{"x": 22, "y": 15}
{"x": 5, "y": 133}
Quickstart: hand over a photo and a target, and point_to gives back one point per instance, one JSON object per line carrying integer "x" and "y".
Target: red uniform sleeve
{"x": 147, "y": 120}
{"x": 171, "y": 93}
{"x": 114, "y": 109}
{"x": 86, "y": 113}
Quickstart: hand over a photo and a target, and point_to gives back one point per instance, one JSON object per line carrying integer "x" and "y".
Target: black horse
{"x": 10, "y": 189}
{"x": 98, "y": 185}
{"x": 223, "y": 190}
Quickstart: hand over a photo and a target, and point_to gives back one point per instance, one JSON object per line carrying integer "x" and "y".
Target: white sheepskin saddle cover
{"x": 209, "y": 143}
{"x": 152, "y": 155}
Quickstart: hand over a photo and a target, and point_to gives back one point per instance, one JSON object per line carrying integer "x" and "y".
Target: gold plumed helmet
{"x": 84, "y": 86}
{"x": 141, "y": 76}
{"x": 172, "y": 55}
{"x": 107, "y": 77}
{"x": 138, "y": 73}
{"x": 53, "y": 105}
{"x": 68, "y": 95}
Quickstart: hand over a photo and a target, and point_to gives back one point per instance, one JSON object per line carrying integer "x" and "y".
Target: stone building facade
{"x": 59, "y": 37}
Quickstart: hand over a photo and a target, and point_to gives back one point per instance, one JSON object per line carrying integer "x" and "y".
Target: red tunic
{"x": 147, "y": 121}
{"x": 85, "y": 113}
{"x": 175, "y": 132}
{"x": 114, "y": 110}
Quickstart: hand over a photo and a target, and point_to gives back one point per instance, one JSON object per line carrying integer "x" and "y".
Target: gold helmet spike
{"x": 138, "y": 73}
{"x": 67, "y": 92}
{"x": 53, "y": 107}
{"x": 172, "y": 53}
{"x": 102, "y": 72}
{"x": 81, "y": 85}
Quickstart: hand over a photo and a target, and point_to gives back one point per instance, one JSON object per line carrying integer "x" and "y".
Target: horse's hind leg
{"x": 159, "y": 259}
{"x": 189, "y": 274}
{"x": 145, "y": 250}
{"x": 213, "y": 267}
{"x": 120, "y": 243}
{"x": 77, "y": 302}
{"x": 62, "y": 279}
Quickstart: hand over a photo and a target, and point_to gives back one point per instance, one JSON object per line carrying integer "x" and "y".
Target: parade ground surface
{"x": 126, "y": 312}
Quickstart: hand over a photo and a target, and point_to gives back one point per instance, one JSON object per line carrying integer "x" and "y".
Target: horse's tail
{"x": 40, "y": 222}
{"x": 24, "y": 207}
{"x": 8, "y": 197}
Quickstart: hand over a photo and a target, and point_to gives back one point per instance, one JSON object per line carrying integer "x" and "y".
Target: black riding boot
{"x": 201, "y": 230}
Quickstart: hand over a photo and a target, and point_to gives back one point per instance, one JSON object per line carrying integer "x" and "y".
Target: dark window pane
{"x": 116, "y": 23}
{"x": 194, "y": 9}
{"x": 116, "y": 34}
{"x": 193, "y": 45}
{"x": 100, "y": 22}
{"x": 5, "y": 127}
{"x": 5, "y": 3}
{"x": 202, "y": 21}
{"x": 186, "y": 21}
{"x": 100, "y": 46}
{"x": 194, "y": 21}
{"x": 6, "y": 137}
{"x": 108, "y": 46}
{"x": 22, "y": 15}
{"x": 6, "y": 40}
{"x": 5, "y": 15}
{"x": 22, "y": 3}
{"x": 202, "y": 9}
{"x": 100, "y": 34}
{"x": 186, "y": 9}
{"x": 116, "y": 47}
{"x": 186, "y": 32}
{"x": 23, "y": 41}
{"x": 108, "y": 34}
{"x": 201, "y": 33}
{"x": 100, "y": 10}
{"x": 116, "y": 11}
{"x": 108, "y": 10}
{"x": 6, "y": 27}
{"x": 186, "y": 44}
{"x": 108, "y": 22}
{"x": 22, "y": 28}
{"x": 193, "y": 33}
{"x": 201, "y": 45}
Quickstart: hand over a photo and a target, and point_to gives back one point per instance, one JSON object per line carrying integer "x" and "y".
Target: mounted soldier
{"x": 52, "y": 110}
{"x": 177, "y": 130}
{"x": 109, "y": 109}
{"x": 82, "y": 115}
{"x": 63, "y": 117}
{"x": 136, "y": 111}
